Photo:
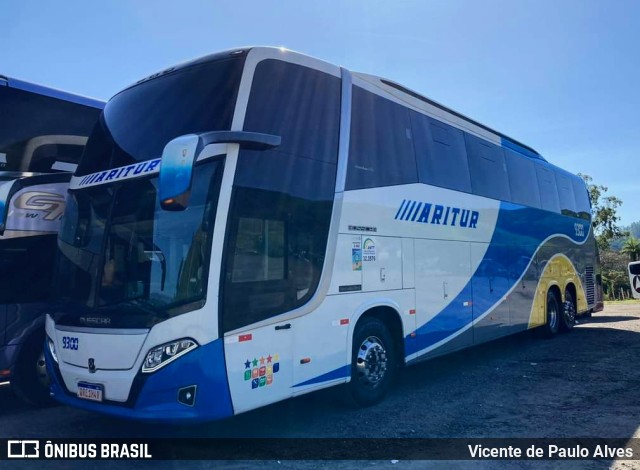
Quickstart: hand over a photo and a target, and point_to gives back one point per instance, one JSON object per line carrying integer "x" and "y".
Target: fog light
{"x": 187, "y": 395}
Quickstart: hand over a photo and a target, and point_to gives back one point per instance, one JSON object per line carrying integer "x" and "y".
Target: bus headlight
{"x": 162, "y": 355}
{"x": 52, "y": 349}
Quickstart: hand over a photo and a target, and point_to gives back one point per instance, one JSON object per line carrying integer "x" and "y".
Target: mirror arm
{"x": 247, "y": 140}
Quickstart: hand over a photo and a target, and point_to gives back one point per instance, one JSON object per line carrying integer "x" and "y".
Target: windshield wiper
{"x": 145, "y": 305}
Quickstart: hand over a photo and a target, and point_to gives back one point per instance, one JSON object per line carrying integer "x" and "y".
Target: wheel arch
{"x": 571, "y": 288}
{"x": 389, "y": 314}
{"x": 555, "y": 290}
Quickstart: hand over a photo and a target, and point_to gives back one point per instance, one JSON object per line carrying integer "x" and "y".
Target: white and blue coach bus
{"x": 258, "y": 224}
{"x": 42, "y": 135}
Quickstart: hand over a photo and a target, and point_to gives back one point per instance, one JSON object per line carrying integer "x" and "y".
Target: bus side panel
{"x": 323, "y": 340}
{"x": 524, "y": 277}
{"x": 491, "y": 284}
{"x": 443, "y": 293}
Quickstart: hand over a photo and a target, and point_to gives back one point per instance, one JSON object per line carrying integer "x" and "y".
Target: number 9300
{"x": 69, "y": 342}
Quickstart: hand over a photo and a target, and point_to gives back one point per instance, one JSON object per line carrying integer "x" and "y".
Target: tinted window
{"x": 522, "y": 179}
{"x": 548, "y": 190}
{"x": 140, "y": 121}
{"x": 282, "y": 198}
{"x": 36, "y": 129}
{"x": 634, "y": 269}
{"x": 583, "y": 205}
{"x": 300, "y": 105}
{"x": 487, "y": 167}
{"x": 440, "y": 153}
{"x": 149, "y": 255}
{"x": 34, "y": 282}
{"x": 565, "y": 194}
{"x": 381, "y": 147}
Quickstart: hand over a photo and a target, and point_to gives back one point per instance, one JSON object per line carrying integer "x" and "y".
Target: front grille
{"x": 590, "y": 285}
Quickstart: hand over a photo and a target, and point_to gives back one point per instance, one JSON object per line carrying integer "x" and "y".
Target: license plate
{"x": 89, "y": 391}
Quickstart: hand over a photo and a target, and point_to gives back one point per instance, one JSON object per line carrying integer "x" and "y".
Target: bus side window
{"x": 300, "y": 105}
{"x": 565, "y": 195}
{"x": 581, "y": 194}
{"x": 282, "y": 198}
{"x": 548, "y": 190}
{"x": 522, "y": 179}
{"x": 488, "y": 170}
{"x": 381, "y": 147}
{"x": 440, "y": 153}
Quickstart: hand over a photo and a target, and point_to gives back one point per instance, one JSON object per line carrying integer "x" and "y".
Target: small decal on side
{"x": 369, "y": 250}
{"x": 260, "y": 371}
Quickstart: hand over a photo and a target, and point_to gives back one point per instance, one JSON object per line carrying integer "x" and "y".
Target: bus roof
{"x": 385, "y": 84}
{"x": 51, "y": 92}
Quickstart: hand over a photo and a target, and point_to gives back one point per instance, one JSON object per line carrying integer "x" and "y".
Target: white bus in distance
{"x": 259, "y": 224}
{"x": 634, "y": 278}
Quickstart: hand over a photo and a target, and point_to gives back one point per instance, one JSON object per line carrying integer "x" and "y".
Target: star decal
{"x": 247, "y": 364}
{"x": 255, "y": 362}
{"x": 269, "y": 358}
{"x": 262, "y": 361}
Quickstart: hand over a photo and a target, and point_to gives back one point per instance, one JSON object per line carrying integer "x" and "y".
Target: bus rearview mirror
{"x": 180, "y": 154}
{"x": 176, "y": 171}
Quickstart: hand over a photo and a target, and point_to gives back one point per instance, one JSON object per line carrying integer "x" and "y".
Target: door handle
{"x": 286, "y": 326}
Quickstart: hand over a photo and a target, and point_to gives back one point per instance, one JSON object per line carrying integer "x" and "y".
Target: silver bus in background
{"x": 42, "y": 136}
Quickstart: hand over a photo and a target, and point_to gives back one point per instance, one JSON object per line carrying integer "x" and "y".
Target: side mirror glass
{"x": 176, "y": 171}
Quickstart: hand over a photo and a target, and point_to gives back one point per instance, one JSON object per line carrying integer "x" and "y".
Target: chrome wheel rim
{"x": 41, "y": 370}
{"x": 569, "y": 311}
{"x": 371, "y": 362}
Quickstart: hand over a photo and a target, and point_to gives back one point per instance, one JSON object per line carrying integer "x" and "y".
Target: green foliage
{"x": 631, "y": 247}
{"x": 604, "y": 214}
{"x": 613, "y": 266}
{"x": 634, "y": 229}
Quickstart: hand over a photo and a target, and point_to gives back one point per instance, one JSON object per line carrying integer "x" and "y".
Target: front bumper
{"x": 154, "y": 397}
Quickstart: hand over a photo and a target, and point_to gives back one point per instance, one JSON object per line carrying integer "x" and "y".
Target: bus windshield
{"x": 155, "y": 257}
{"x": 117, "y": 248}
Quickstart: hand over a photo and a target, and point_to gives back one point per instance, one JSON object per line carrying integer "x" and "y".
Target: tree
{"x": 604, "y": 214}
{"x": 614, "y": 273}
{"x": 634, "y": 229}
{"x": 632, "y": 248}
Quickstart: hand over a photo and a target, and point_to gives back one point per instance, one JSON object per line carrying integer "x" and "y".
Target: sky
{"x": 561, "y": 76}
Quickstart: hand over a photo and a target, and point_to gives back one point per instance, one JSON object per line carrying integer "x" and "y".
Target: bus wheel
{"x": 553, "y": 316}
{"x": 373, "y": 362}
{"x": 568, "y": 318}
{"x": 29, "y": 379}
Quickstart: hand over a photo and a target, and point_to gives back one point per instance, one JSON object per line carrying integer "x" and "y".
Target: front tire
{"x": 568, "y": 318}
{"x": 29, "y": 379}
{"x": 373, "y": 362}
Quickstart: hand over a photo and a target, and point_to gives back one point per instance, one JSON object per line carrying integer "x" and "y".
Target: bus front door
{"x": 259, "y": 365}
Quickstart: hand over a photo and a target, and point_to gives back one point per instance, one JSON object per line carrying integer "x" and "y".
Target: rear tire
{"x": 29, "y": 379}
{"x": 551, "y": 326}
{"x": 568, "y": 317}
{"x": 373, "y": 363}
